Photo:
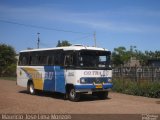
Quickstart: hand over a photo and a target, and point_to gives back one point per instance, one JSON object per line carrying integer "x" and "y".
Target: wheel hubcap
{"x": 31, "y": 89}
{"x": 72, "y": 93}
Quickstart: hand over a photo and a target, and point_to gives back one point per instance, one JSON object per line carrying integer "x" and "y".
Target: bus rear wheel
{"x": 31, "y": 89}
{"x": 73, "y": 95}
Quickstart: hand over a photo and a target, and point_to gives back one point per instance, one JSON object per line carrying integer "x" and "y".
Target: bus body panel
{"x": 59, "y": 79}
{"x": 30, "y": 73}
{"x": 55, "y": 78}
{"x": 48, "y": 78}
{"x": 21, "y": 77}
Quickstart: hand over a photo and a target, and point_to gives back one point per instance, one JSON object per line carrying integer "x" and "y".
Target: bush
{"x": 118, "y": 86}
{"x": 7, "y": 60}
{"x": 11, "y": 70}
{"x": 143, "y": 88}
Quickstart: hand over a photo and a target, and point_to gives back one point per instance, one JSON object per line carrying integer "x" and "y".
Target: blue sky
{"x": 116, "y": 22}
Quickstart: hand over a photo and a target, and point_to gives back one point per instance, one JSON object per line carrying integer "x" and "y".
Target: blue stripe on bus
{"x": 59, "y": 79}
{"x": 54, "y": 79}
{"x": 106, "y": 86}
{"x": 49, "y": 82}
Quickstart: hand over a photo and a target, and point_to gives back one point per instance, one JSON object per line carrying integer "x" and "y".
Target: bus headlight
{"x": 83, "y": 81}
{"x": 109, "y": 80}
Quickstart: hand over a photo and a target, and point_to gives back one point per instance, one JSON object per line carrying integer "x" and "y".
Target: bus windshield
{"x": 94, "y": 59}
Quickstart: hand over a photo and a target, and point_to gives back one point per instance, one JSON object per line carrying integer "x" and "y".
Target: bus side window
{"x": 56, "y": 60}
{"x": 24, "y": 60}
{"x": 50, "y": 60}
{"x": 43, "y": 60}
{"x": 32, "y": 59}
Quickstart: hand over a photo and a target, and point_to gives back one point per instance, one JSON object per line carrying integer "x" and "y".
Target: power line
{"x": 41, "y": 27}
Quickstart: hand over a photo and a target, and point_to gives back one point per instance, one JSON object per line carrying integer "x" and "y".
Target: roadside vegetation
{"x": 147, "y": 88}
{"x": 140, "y": 88}
{"x": 8, "y": 61}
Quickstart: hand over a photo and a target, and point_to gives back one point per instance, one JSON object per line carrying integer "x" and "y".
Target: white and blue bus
{"x": 71, "y": 70}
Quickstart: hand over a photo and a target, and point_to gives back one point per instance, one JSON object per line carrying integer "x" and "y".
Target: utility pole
{"x": 94, "y": 35}
{"x": 38, "y": 41}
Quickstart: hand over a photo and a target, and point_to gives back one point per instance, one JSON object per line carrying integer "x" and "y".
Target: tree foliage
{"x": 63, "y": 43}
{"x": 7, "y": 60}
{"x": 121, "y": 55}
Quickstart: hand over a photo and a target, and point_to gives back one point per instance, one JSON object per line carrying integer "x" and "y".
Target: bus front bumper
{"x": 93, "y": 88}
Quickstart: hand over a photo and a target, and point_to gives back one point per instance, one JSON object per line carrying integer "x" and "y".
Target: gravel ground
{"x": 14, "y": 99}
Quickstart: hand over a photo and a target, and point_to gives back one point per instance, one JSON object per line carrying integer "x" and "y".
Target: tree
{"x": 63, "y": 43}
{"x": 7, "y": 60}
{"x": 120, "y": 55}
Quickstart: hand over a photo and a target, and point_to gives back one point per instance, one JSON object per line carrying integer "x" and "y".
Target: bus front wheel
{"x": 73, "y": 95}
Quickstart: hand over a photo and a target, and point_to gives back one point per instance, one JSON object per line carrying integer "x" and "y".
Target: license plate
{"x": 98, "y": 86}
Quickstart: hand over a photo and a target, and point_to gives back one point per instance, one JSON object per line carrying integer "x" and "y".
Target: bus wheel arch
{"x": 30, "y": 87}
{"x": 71, "y": 93}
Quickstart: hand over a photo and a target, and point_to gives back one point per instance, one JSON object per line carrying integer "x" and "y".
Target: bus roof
{"x": 74, "y": 47}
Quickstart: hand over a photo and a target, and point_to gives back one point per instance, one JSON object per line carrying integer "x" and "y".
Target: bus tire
{"x": 30, "y": 88}
{"x": 73, "y": 95}
{"x": 102, "y": 95}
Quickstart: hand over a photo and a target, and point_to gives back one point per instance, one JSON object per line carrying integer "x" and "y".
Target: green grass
{"x": 8, "y": 78}
{"x": 142, "y": 88}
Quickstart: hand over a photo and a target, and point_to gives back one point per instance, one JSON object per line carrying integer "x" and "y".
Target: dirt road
{"x": 14, "y": 99}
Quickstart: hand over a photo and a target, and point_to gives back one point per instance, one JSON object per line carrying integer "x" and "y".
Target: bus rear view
{"x": 78, "y": 70}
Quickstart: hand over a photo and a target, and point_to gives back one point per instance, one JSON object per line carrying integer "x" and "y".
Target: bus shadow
{"x": 89, "y": 97}
{"x": 55, "y": 95}
{"x": 45, "y": 94}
